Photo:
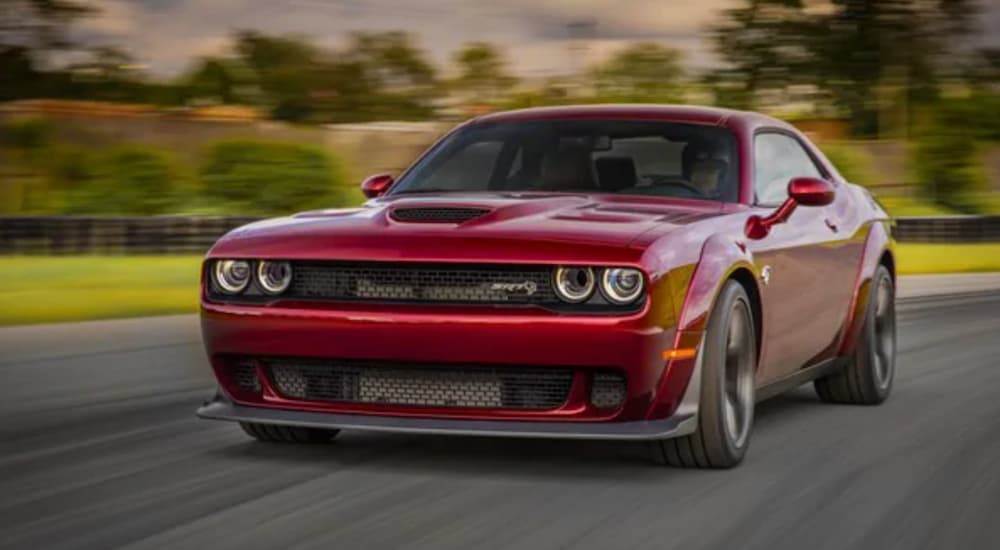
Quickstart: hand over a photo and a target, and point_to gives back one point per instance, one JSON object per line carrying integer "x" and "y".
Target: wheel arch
{"x": 748, "y": 281}
{"x": 721, "y": 260}
{"x": 879, "y": 250}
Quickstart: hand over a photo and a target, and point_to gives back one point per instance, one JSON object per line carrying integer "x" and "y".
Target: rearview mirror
{"x": 376, "y": 186}
{"x": 811, "y": 191}
{"x": 801, "y": 191}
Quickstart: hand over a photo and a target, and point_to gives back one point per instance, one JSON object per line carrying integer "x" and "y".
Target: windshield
{"x": 666, "y": 159}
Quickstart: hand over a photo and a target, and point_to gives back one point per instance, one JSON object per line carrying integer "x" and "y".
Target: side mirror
{"x": 801, "y": 191}
{"x": 811, "y": 191}
{"x": 375, "y": 186}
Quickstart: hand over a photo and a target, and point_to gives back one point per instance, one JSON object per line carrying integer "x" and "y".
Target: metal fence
{"x": 196, "y": 234}
{"x": 948, "y": 229}
{"x": 99, "y": 235}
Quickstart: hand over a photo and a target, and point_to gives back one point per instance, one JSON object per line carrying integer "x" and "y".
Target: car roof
{"x": 679, "y": 113}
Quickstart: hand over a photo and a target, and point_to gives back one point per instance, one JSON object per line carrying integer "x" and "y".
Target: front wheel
{"x": 726, "y": 407}
{"x": 867, "y": 378}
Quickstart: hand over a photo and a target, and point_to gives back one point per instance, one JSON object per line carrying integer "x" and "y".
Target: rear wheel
{"x": 273, "y": 433}
{"x": 726, "y": 407}
{"x": 867, "y": 378}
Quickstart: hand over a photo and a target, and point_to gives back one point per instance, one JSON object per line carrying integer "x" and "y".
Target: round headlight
{"x": 574, "y": 284}
{"x": 274, "y": 277}
{"x": 232, "y": 276}
{"x": 621, "y": 285}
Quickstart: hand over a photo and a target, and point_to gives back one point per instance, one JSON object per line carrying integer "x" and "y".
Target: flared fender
{"x": 720, "y": 258}
{"x": 877, "y": 242}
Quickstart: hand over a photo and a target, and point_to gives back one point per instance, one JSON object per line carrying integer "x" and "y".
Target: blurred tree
{"x": 763, "y": 46}
{"x": 271, "y": 177}
{"x": 40, "y": 26}
{"x": 285, "y": 68}
{"x": 642, "y": 73}
{"x": 399, "y": 78}
{"x": 865, "y": 54}
{"x": 218, "y": 80}
{"x": 483, "y": 73}
{"x": 30, "y": 32}
{"x": 378, "y": 76}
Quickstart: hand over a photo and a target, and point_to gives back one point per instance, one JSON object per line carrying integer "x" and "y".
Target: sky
{"x": 166, "y": 35}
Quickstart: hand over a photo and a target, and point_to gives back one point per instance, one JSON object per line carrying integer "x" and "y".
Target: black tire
{"x": 867, "y": 378}
{"x": 272, "y": 433}
{"x": 727, "y": 386}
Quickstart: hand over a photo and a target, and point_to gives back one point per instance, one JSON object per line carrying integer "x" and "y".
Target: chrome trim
{"x": 222, "y": 408}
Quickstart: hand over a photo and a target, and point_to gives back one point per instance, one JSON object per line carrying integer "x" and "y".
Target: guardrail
{"x": 196, "y": 234}
{"x": 948, "y": 229}
{"x": 103, "y": 235}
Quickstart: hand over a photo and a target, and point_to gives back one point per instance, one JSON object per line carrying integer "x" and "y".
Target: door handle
{"x": 830, "y": 224}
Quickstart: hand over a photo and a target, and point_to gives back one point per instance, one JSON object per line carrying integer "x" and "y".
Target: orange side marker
{"x": 680, "y": 353}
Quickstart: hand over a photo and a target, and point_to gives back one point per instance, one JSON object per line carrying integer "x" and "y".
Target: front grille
{"x": 539, "y": 388}
{"x": 423, "y": 283}
{"x": 437, "y": 215}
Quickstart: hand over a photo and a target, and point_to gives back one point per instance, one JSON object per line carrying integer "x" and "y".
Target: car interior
{"x": 639, "y": 158}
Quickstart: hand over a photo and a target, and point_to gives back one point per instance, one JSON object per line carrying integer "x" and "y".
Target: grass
{"x": 917, "y": 258}
{"x": 44, "y": 289}
{"x": 41, "y": 289}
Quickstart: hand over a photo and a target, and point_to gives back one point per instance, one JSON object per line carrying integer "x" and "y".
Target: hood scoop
{"x": 436, "y": 214}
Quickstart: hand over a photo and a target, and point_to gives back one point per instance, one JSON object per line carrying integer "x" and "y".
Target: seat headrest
{"x": 567, "y": 169}
{"x": 616, "y": 173}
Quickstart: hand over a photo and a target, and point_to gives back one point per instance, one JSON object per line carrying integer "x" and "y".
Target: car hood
{"x": 492, "y": 226}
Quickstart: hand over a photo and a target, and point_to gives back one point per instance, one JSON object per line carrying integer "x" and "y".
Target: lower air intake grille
{"x": 244, "y": 375}
{"x": 537, "y": 388}
{"x": 437, "y": 215}
{"x": 608, "y": 390}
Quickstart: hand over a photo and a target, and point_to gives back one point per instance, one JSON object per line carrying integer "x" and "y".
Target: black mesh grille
{"x": 538, "y": 388}
{"x": 434, "y": 283}
{"x": 244, "y": 375}
{"x": 607, "y": 390}
{"x": 437, "y": 215}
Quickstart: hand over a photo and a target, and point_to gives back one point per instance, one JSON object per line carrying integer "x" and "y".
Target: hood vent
{"x": 436, "y": 214}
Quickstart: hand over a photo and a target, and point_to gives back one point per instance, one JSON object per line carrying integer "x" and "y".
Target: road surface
{"x": 99, "y": 448}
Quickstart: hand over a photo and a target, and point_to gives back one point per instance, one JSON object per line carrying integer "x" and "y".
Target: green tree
{"x": 642, "y": 73}
{"x": 400, "y": 81}
{"x": 763, "y": 44}
{"x": 218, "y": 80}
{"x": 286, "y": 69}
{"x": 482, "y": 72}
{"x": 31, "y": 32}
{"x": 864, "y": 55}
{"x": 271, "y": 177}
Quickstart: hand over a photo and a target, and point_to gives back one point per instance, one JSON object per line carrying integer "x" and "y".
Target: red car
{"x": 606, "y": 272}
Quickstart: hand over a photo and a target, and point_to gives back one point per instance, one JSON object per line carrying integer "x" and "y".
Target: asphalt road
{"x": 99, "y": 448}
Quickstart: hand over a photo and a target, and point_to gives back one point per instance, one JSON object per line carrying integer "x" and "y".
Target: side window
{"x": 777, "y": 159}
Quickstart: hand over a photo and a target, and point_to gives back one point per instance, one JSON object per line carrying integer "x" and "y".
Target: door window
{"x": 777, "y": 159}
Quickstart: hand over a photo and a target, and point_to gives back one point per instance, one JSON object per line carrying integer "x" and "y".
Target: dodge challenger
{"x": 644, "y": 273}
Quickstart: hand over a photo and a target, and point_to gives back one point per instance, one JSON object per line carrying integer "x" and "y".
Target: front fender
{"x": 720, "y": 257}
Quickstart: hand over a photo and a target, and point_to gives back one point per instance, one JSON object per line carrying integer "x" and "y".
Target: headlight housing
{"x": 274, "y": 277}
{"x": 231, "y": 276}
{"x": 574, "y": 284}
{"x": 621, "y": 285}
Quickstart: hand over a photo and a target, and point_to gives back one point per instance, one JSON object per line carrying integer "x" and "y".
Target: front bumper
{"x": 222, "y": 408}
{"x": 633, "y": 346}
